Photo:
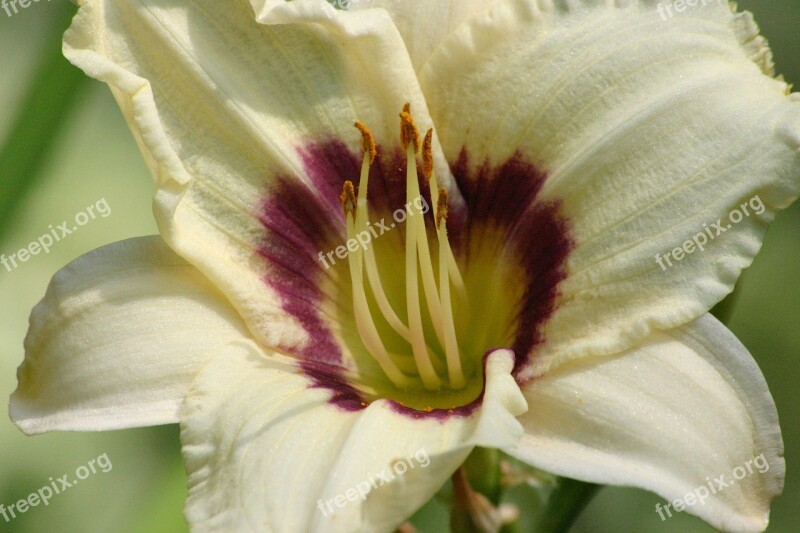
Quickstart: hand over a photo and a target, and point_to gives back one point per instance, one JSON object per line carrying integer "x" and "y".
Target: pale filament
{"x": 418, "y": 263}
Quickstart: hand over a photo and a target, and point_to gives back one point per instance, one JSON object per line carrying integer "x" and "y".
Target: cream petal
{"x": 687, "y": 415}
{"x": 649, "y": 131}
{"x": 233, "y": 116}
{"x": 266, "y": 450}
{"x": 118, "y": 339}
{"x": 423, "y": 24}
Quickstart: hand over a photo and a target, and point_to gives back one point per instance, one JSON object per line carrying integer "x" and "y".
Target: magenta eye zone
{"x": 497, "y": 214}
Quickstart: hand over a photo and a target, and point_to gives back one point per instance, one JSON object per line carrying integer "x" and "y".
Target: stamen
{"x": 430, "y": 175}
{"x": 410, "y": 136}
{"x": 363, "y": 316}
{"x": 367, "y": 141}
{"x": 415, "y": 233}
{"x": 418, "y": 263}
{"x": 408, "y": 129}
{"x": 380, "y": 296}
{"x": 348, "y": 198}
{"x": 361, "y": 225}
{"x": 427, "y": 157}
{"x": 454, "y": 370}
{"x": 441, "y": 208}
{"x": 427, "y": 373}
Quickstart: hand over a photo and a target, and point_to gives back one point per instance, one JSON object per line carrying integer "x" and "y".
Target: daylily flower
{"x": 524, "y": 311}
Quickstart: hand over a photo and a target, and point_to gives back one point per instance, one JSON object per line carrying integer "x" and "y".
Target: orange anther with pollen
{"x": 427, "y": 155}
{"x": 408, "y": 128}
{"x": 348, "y": 198}
{"x": 367, "y": 141}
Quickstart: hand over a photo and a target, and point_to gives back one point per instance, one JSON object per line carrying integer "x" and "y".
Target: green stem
{"x": 44, "y": 111}
{"x": 565, "y": 504}
{"x": 483, "y": 472}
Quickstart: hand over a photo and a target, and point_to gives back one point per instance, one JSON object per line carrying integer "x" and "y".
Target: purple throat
{"x": 302, "y": 217}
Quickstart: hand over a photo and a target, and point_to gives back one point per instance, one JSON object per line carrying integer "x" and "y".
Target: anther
{"x": 367, "y": 141}
{"x": 427, "y": 155}
{"x": 348, "y": 198}
{"x": 408, "y": 129}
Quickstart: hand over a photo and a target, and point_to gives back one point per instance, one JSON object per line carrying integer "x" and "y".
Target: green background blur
{"x": 93, "y": 156}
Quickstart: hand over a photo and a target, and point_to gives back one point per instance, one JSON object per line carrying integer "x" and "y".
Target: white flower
{"x": 571, "y": 146}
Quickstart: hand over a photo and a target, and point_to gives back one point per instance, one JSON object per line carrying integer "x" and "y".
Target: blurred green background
{"x": 90, "y": 154}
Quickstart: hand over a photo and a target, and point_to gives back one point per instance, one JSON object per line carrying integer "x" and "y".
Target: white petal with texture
{"x": 267, "y": 452}
{"x": 671, "y": 416}
{"x": 649, "y": 130}
{"x": 423, "y": 24}
{"x": 117, "y": 340}
{"x": 222, "y": 107}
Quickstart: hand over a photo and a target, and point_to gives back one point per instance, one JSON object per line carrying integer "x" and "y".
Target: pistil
{"x": 454, "y": 370}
